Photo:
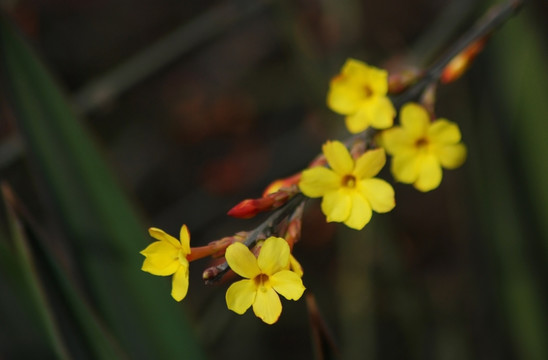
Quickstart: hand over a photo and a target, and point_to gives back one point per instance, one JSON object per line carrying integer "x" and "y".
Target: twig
{"x": 490, "y": 22}
{"x": 215, "y": 273}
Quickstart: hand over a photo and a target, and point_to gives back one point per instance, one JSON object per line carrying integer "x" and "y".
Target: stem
{"x": 215, "y": 273}
{"x": 490, "y": 22}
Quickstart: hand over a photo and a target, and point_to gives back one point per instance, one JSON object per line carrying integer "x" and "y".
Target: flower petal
{"x": 377, "y": 80}
{"x": 356, "y": 70}
{"x": 396, "y": 140}
{"x": 161, "y": 235}
{"x": 358, "y": 121}
{"x": 184, "y": 236}
{"x": 360, "y": 213}
{"x": 267, "y": 305}
{"x": 161, "y": 258}
{"x": 274, "y": 255}
{"x": 315, "y": 182}
{"x": 179, "y": 283}
{"x": 381, "y": 112}
{"x": 405, "y": 167}
{"x": 443, "y": 131}
{"x": 242, "y": 261}
{"x": 415, "y": 120}
{"x": 343, "y": 96}
{"x": 451, "y": 156}
{"x": 336, "y": 205}
{"x": 295, "y": 266}
{"x": 338, "y": 157}
{"x": 288, "y": 284}
{"x": 162, "y": 269}
{"x": 370, "y": 163}
{"x": 379, "y": 194}
{"x": 240, "y": 295}
{"x": 430, "y": 174}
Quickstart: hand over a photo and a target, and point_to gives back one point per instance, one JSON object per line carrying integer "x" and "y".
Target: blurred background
{"x": 120, "y": 115}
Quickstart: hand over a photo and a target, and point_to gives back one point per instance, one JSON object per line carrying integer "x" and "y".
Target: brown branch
{"x": 263, "y": 231}
{"x": 492, "y": 20}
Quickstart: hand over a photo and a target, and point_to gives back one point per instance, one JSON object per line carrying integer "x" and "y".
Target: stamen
{"x": 422, "y": 142}
{"x": 349, "y": 181}
{"x": 260, "y": 280}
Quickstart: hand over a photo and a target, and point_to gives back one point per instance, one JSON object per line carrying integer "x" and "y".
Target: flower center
{"x": 260, "y": 281}
{"x": 421, "y": 143}
{"x": 349, "y": 181}
{"x": 367, "y": 90}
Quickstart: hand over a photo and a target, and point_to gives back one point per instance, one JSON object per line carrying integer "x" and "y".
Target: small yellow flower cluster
{"x": 420, "y": 148}
{"x": 275, "y": 271}
{"x": 344, "y": 179}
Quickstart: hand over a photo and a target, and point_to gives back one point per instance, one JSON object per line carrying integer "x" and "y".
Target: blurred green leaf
{"x": 24, "y": 257}
{"x": 509, "y": 170}
{"x": 104, "y": 231}
{"x": 523, "y": 83}
{"x": 71, "y": 324}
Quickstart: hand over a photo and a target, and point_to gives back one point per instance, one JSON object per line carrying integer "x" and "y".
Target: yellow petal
{"x": 184, "y": 236}
{"x": 338, "y": 157}
{"x": 360, "y": 213}
{"x": 358, "y": 121}
{"x": 445, "y": 132}
{"x": 356, "y": 70}
{"x": 288, "y": 284}
{"x": 161, "y": 258}
{"x": 161, "y": 235}
{"x": 396, "y": 140}
{"x": 381, "y": 112}
{"x": 179, "y": 283}
{"x": 451, "y": 156}
{"x": 406, "y": 167}
{"x": 336, "y": 205}
{"x": 295, "y": 266}
{"x": 415, "y": 120}
{"x": 242, "y": 261}
{"x": 160, "y": 269}
{"x": 379, "y": 194}
{"x": 241, "y": 295}
{"x": 430, "y": 174}
{"x": 377, "y": 80}
{"x": 315, "y": 182}
{"x": 343, "y": 96}
{"x": 370, "y": 163}
{"x": 267, "y": 305}
{"x": 274, "y": 255}
{"x": 363, "y": 75}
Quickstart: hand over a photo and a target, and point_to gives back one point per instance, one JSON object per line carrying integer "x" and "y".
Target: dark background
{"x": 196, "y": 105}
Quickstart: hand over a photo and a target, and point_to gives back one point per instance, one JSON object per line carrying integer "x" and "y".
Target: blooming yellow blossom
{"x": 420, "y": 148}
{"x": 168, "y": 256}
{"x": 359, "y": 92}
{"x": 349, "y": 191}
{"x": 266, "y": 277}
{"x": 295, "y": 266}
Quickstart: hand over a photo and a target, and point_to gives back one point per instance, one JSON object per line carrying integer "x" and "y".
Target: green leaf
{"x": 100, "y": 223}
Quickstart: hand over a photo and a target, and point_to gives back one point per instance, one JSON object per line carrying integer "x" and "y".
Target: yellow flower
{"x": 420, "y": 148}
{"x": 359, "y": 92}
{"x": 266, "y": 277}
{"x": 295, "y": 266}
{"x": 349, "y": 189}
{"x": 167, "y": 256}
